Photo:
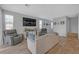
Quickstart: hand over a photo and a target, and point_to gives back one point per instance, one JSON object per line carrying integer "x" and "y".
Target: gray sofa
{"x": 11, "y": 37}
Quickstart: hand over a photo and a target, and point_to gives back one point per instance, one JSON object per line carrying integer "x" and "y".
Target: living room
{"x": 50, "y": 29}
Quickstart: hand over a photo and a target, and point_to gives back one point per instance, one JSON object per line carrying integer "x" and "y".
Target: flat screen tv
{"x": 29, "y": 22}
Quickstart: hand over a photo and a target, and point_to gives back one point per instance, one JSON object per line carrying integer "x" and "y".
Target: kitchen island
{"x": 46, "y": 42}
{"x": 41, "y": 44}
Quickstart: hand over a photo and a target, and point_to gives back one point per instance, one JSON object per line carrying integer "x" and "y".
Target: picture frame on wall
{"x": 62, "y": 22}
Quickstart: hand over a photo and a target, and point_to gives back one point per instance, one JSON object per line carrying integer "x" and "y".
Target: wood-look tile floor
{"x": 66, "y": 46}
{"x": 21, "y": 48}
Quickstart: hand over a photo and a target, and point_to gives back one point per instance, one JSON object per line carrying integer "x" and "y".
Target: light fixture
{"x": 27, "y": 5}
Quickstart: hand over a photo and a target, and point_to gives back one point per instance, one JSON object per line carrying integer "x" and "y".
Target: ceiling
{"x": 47, "y": 11}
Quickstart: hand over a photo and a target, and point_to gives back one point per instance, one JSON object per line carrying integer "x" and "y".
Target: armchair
{"x": 11, "y": 37}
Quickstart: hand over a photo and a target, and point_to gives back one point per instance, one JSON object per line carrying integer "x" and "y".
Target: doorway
{"x": 73, "y": 27}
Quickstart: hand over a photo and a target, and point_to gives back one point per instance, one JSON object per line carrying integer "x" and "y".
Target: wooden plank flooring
{"x": 17, "y": 49}
{"x": 66, "y": 46}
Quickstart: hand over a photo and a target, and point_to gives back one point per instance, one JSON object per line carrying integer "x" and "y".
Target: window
{"x": 40, "y": 24}
{"x": 8, "y": 22}
{"x": 51, "y": 25}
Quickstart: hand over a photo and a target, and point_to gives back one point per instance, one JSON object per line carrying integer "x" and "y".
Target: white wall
{"x": 71, "y": 25}
{"x": 1, "y": 42}
{"x": 18, "y": 22}
{"x": 60, "y": 28}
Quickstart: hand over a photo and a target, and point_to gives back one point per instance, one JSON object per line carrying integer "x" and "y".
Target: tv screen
{"x": 29, "y": 22}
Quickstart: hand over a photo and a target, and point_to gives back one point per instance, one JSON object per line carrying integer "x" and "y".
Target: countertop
{"x": 46, "y": 42}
